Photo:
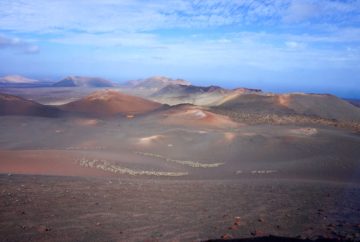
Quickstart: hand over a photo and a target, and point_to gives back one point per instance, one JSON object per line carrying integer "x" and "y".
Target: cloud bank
{"x": 18, "y": 45}
{"x": 192, "y": 38}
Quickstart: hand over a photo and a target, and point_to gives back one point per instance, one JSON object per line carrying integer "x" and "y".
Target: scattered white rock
{"x": 304, "y": 131}
{"x": 199, "y": 114}
{"x": 108, "y": 166}
{"x": 150, "y": 139}
{"x": 190, "y": 163}
{"x": 263, "y": 171}
{"x": 239, "y": 172}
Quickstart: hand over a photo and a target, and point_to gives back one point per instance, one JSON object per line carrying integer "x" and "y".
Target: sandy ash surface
{"x": 52, "y": 208}
{"x": 240, "y": 181}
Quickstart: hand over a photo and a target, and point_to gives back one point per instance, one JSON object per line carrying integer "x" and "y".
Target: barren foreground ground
{"x": 138, "y": 180}
{"x": 52, "y": 208}
{"x": 179, "y": 174}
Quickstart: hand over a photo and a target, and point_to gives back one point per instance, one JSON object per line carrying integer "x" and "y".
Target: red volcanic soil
{"x": 13, "y": 105}
{"x": 108, "y": 103}
{"x": 189, "y": 115}
{"x": 44, "y": 162}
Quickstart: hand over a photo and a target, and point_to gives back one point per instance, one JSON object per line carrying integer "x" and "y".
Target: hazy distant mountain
{"x": 355, "y": 102}
{"x": 108, "y": 103}
{"x": 199, "y": 95}
{"x": 13, "y": 105}
{"x": 180, "y": 90}
{"x": 325, "y": 106}
{"x": 156, "y": 82}
{"x": 81, "y": 81}
{"x": 16, "y": 79}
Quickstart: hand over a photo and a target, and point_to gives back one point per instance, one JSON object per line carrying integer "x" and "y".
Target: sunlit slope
{"x": 324, "y": 106}
{"x": 108, "y": 103}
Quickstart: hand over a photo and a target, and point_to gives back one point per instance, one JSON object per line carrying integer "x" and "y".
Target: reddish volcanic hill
{"x": 108, "y": 103}
{"x": 13, "y": 105}
{"x": 191, "y": 115}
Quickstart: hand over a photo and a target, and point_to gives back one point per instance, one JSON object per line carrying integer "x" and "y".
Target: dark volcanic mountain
{"x": 13, "y": 105}
{"x": 199, "y": 95}
{"x": 321, "y": 105}
{"x": 183, "y": 90}
{"x": 80, "y": 81}
{"x": 108, "y": 103}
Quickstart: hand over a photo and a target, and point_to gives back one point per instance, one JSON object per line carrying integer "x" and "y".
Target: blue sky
{"x": 277, "y": 45}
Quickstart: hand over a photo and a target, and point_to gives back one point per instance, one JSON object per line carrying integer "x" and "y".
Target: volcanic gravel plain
{"x": 175, "y": 173}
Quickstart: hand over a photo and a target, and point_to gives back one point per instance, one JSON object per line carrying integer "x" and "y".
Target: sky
{"x": 275, "y": 45}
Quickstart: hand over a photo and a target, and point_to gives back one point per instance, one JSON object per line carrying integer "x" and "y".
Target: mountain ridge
{"x": 83, "y": 81}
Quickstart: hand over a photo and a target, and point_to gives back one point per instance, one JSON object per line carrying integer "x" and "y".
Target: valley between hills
{"x": 160, "y": 159}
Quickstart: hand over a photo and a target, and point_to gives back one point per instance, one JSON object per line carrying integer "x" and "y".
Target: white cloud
{"x": 300, "y": 10}
{"x": 333, "y": 12}
{"x": 109, "y": 39}
{"x": 18, "y": 45}
{"x": 137, "y": 15}
{"x": 246, "y": 49}
{"x": 58, "y": 16}
{"x": 294, "y": 45}
{"x": 139, "y": 24}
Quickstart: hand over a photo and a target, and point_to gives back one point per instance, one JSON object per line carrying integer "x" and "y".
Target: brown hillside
{"x": 108, "y": 103}
{"x": 324, "y": 106}
{"x": 13, "y": 105}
